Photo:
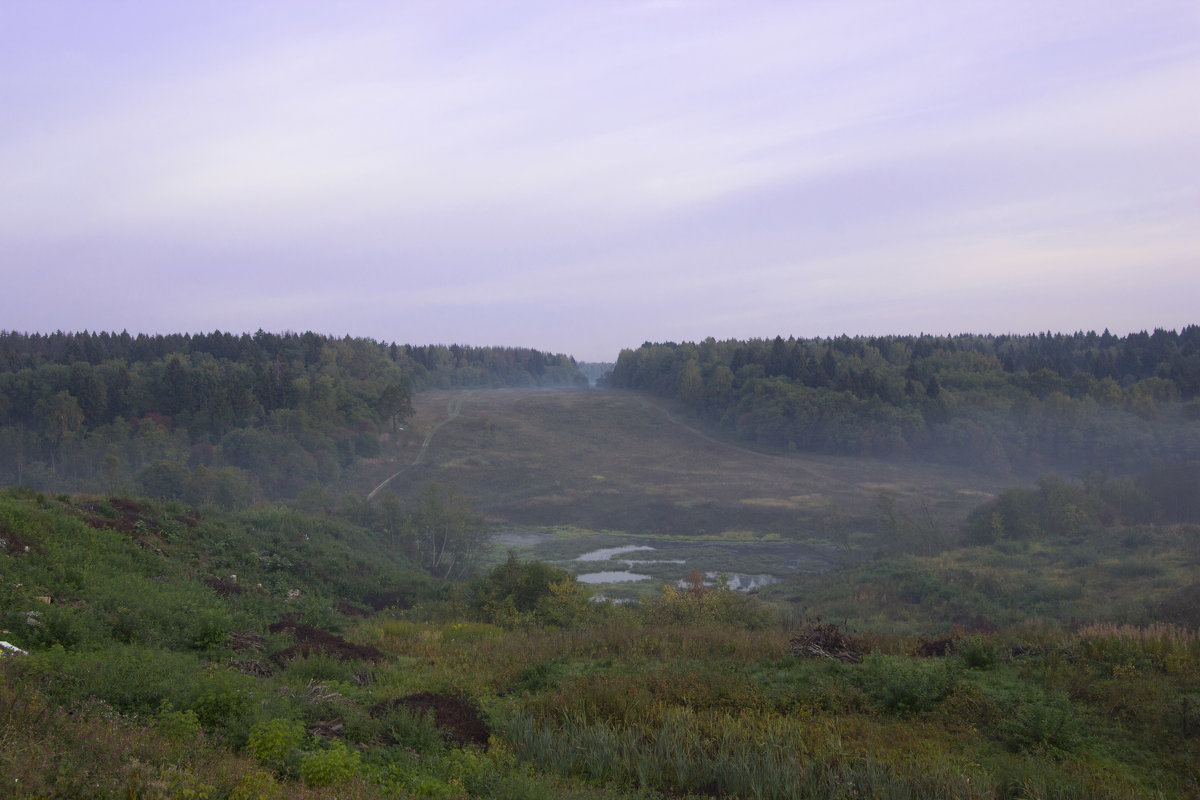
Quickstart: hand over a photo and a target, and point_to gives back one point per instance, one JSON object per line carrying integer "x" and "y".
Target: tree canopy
{"x": 242, "y": 415}
{"x": 1001, "y": 401}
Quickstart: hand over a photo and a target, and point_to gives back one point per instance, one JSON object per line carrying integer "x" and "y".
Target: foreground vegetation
{"x": 272, "y": 653}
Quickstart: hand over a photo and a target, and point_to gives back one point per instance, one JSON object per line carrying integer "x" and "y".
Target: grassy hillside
{"x": 153, "y": 673}
{"x": 608, "y": 460}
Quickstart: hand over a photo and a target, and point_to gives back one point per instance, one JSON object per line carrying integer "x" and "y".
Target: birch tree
{"x": 448, "y": 536}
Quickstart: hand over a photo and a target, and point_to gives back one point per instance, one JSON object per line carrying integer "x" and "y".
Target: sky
{"x": 581, "y": 177}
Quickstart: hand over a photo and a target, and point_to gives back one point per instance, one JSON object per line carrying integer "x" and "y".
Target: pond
{"x": 606, "y": 553}
{"x": 522, "y": 538}
{"x": 624, "y": 561}
{"x": 611, "y": 577}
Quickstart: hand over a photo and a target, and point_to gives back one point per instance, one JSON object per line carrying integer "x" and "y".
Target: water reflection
{"x": 611, "y": 577}
{"x": 606, "y": 553}
{"x": 736, "y": 581}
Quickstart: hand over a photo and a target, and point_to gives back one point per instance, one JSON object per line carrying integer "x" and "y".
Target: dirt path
{"x": 453, "y": 409}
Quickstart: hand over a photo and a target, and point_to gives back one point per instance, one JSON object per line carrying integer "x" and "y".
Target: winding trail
{"x": 453, "y": 409}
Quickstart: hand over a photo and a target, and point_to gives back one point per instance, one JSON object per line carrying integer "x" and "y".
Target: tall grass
{"x": 1168, "y": 648}
{"x": 744, "y": 755}
{"x": 779, "y": 758}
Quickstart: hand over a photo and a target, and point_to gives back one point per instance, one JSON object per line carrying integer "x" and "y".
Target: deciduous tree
{"x": 448, "y": 536}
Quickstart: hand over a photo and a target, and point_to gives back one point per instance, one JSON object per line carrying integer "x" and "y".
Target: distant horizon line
{"x": 590, "y": 360}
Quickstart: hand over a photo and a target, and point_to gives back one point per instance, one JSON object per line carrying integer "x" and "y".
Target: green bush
{"x": 536, "y": 677}
{"x": 407, "y": 728}
{"x": 49, "y": 625}
{"x": 977, "y": 652}
{"x": 132, "y": 678}
{"x": 181, "y": 726}
{"x": 275, "y": 743}
{"x": 317, "y": 667}
{"x": 1040, "y": 722}
{"x": 256, "y": 786}
{"x": 223, "y": 701}
{"x": 1127, "y": 570}
{"x": 338, "y": 763}
{"x": 209, "y": 628}
{"x": 697, "y": 602}
{"x": 905, "y": 685}
{"x": 518, "y": 593}
{"x": 478, "y": 773}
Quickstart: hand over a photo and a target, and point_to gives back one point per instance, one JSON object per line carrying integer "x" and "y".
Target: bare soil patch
{"x": 401, "y": 599}
{"x": 350, "y": 609}
{"x": 132, "y": 519}
{"x": 936, "y": 648}
{"x": 310, "y": 640}
{"x": 457, "y": 717}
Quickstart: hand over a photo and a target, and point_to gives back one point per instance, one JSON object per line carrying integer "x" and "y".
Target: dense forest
{"x": 221, "y": 418}
{"x": 1023, "y": 403}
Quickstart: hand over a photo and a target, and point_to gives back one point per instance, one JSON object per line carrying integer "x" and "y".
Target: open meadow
{"x": 592, "y": 461}
{"x": 610, "y": 460}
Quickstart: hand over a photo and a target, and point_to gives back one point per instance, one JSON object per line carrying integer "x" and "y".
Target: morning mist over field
{"x": 643, "y": 400}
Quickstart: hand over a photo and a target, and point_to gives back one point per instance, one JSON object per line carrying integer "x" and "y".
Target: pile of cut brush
{"x": 827, "y": 640}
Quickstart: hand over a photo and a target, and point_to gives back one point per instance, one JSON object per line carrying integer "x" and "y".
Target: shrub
{"x": 209, "y": 628}
{"x": 274, "y": 743}
{"x": 535, "y": 677}
{"x": 532, "y": 592}
{"x": 320, "y": 667}
{"x": 476, "y": 772}
{"x": 130, "y": 677}
{"x": 412, "y": 729}
{"x": 903, "y": 685}
{"x": 182, "y": 726}
{"x": 566, "y": 604}
{"x": 1039, "y": 722}
{"x": 1127, "y": 570}
{"x": 54, "y": 625}
{"x": 255, "y": 786}
{"x": 698, "y": 602}
{"x": 338, "y": 763}
{"x": 223, "y": 701}
{"x": 977, "y": 652}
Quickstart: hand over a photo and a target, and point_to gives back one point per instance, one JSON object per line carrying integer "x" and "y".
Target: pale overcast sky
{"x": 585, "y": 176}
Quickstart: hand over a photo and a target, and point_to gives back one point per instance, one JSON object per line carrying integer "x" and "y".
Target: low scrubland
{"x": 270, "y": 653}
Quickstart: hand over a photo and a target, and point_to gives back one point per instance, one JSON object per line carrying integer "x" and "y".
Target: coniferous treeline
{"x": 1067, "y": 400}
{"x": 221, "y": 417}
